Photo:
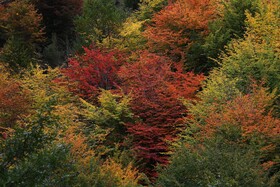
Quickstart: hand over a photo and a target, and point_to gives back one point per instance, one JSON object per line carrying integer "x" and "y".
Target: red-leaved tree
{"x": 156, "y": 93}
{"x": 89, "y": 72}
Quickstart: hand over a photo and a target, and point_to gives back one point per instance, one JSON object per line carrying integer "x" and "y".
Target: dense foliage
{"x": 22, "y": 30}
{"x": 173, "y": 29}
{"x": 156, "y": 91}
{"x": 127, "y": 93}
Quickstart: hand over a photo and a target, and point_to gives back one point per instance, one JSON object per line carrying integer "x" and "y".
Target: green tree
{"x": 17, "y": 54}
{"x": 26, "y": 151}
{"x": 99, "y": 20}
{"x": 219, "y": 161}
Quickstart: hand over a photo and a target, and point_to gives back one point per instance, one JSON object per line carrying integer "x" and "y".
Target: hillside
{"x": 126, "y": 93}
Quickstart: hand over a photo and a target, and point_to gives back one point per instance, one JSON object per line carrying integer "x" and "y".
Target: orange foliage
{"x": 20, "y": 19}
{"x": 173, "y": 28}
{"x": 127, "y": 176}
{"x": 268, "y": 165}
{"x": 247, "y": 112}
{"x": 14, "y": 102}
{"x": 79, "y": 149}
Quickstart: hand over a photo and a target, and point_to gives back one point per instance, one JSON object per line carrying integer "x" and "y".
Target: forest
{"x": 131, "y": 93}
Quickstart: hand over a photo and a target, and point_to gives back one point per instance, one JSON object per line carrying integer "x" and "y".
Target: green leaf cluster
{"x": 220, "y": 161}
{"x": 99, "y": 20}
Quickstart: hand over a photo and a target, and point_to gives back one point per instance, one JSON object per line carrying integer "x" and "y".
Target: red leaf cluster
{"x": 155, "y": 91}
{"x": 91, "y": 71}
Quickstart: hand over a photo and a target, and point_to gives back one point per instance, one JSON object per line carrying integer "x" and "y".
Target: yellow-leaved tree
{"x": 44, "y": 85}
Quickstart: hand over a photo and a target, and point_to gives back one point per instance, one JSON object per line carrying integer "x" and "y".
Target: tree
{"x": 21, "y": 146}
{"x": 99, "y": 20}
{"x": 214, "y": 162}
{"x": 94, "y": 70}
{"x": 252, "y": 115}
{"x": 21, "y": 25}
{"x": 155, "y": 92}
{"x": 41, "y": 152}
{"x": 58, "y": 15}
{"x": 43, "y": 86}
{"x": 58, "y": 19}
{"x": 92, "y": 170}
{"x": 15, "y": 102}
{"x": 257, "y": 56}
{"x": 147, "y": 8}
{"x": 254, "y": 59}
{"x": 21, "y": 20}
{"x": 233, "y": 113}
{"x": 130, "y": 36}
{"x": 249, "y": 112}
{"x": 230, "y": 23}
{"x": 237, "y": 145}
{"x": 105, "y": 128}
{"x": 173, "y": 29}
